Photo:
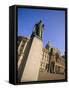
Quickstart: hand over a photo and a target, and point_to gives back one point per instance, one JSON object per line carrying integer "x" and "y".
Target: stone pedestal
{"x": 34, "y": 58}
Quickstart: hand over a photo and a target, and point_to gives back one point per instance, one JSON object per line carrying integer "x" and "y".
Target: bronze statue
{"x": 38, "y": 29}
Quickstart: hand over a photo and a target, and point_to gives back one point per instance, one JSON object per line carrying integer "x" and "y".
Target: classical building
{"x": 22, "y": 42}
{"x": 52, "y": 61}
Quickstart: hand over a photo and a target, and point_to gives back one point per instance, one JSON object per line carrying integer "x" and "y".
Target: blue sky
{"x": 54, "y": 25}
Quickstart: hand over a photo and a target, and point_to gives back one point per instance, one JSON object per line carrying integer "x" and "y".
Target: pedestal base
{"x": 32, "y": 66}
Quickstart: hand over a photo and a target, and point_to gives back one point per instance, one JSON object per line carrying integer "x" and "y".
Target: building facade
{"x": 52, "y": 61}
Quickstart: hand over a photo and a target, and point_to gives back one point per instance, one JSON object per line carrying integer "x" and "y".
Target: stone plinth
{"x": 34, "y": 58}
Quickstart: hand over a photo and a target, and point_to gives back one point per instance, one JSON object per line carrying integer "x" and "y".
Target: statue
{"x": 38, "y": 29}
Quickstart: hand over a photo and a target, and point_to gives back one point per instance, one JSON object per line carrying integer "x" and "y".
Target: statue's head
{"x": 40, "y": 21}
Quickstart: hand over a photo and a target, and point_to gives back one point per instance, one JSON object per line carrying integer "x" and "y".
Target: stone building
{"x": 45, "y": 61}
{"x": 22, "y": 43}
{"x": 52, "y": 61}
